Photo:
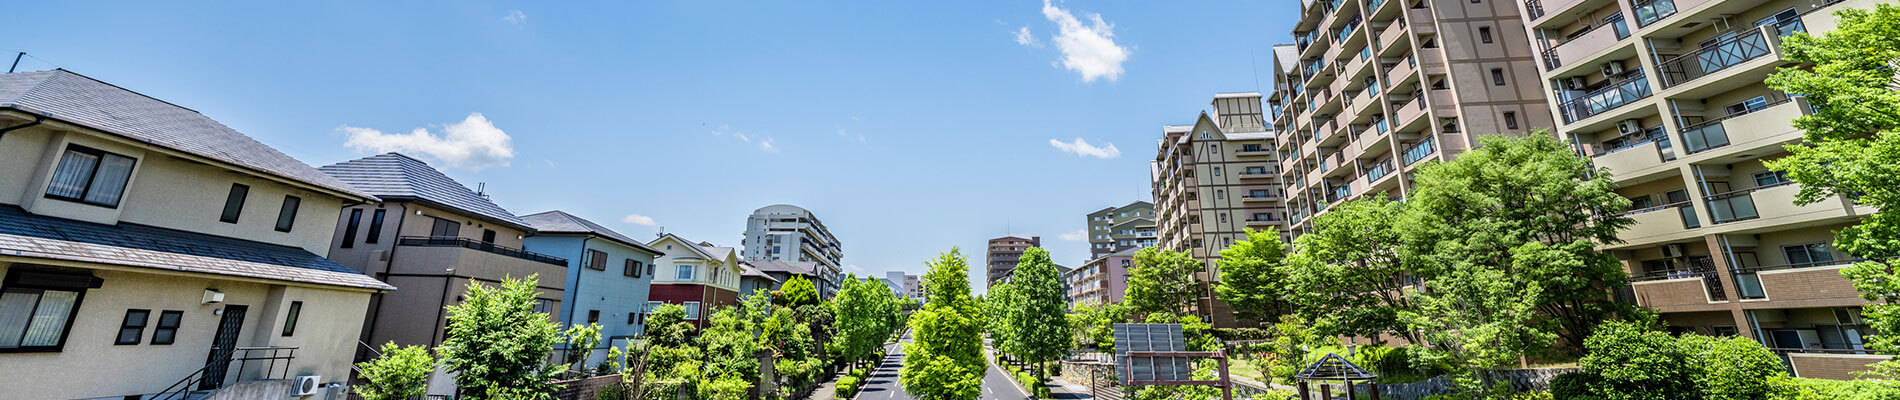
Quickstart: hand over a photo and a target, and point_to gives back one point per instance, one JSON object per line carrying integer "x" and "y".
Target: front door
{"x": 222, "y": 347}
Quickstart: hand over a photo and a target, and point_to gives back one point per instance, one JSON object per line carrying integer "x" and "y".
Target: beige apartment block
{"x": 1003, "y": 254}
{"x": 1371, "y": 89}
{"x": 1668, "y": 95}
{"x": 1212, "y": 181}
{"x": 1113, "y": 229}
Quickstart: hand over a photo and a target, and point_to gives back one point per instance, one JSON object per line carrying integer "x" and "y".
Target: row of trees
{"x": 1027, "y": 317}
{"x": 499, "y": 346}
{"x": 944, "y": 360}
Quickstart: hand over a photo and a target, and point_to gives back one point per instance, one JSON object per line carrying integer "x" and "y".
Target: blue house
{"x": 607, "y": 280}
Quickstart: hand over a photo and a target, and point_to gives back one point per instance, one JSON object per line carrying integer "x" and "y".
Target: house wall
{"x": 610, "y": 291}
{"x": 329, "y": 320}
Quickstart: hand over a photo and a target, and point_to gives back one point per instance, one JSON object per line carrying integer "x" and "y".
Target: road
{"x": 884, "y": 384}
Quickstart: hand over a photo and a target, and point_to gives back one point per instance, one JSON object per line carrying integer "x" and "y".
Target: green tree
{"x": 498, "y": 345}
{"x": 1347, "y": 275}
{"x": 731, "y": 356}
{"x": 581, "y": 341}
{"x": 1253, "y": 279}
{"x": 944, "y": 360}
{"x": 798, "y": 291}
{"x": 1039, "y": 316}
{"x": 1851, "y": 147}
{"x": 997, "y": 319}
{"x": 1525, "y": 213}
{"x": 864, "y": 314}
{"x": 1161, "y": 282}
{"x": 400, "y": 373}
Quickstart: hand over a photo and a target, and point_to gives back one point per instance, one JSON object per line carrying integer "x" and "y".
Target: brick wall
{"x": 1807, "y": 284}
{"x": 584, "y": 388}
{"x": 1674, "y": 292}
{"x": 1832, "y": 366}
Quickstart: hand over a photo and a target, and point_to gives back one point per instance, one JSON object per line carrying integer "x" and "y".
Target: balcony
{"x": 1253, "y": 152}
{"x": 1422, "y": 20}
{"x": 1538, "y": 9}
{"x": 1678, "y": 291}
{"x": 1648, "y": 12}
{"x": 1392, "y": 35}
{"x": 1750, "y": 45}
{"x": 1255, "y": 175}
{"x": 1418, "y": 152}
{"x": 1631, "y": 161}
{"x": 1664, "y": 222}
{"x": 1408, "y": 111}
{"x": 469, "y": 257}
{"x": 1432, "y": 61}
{"x": 1820, "y": 281}
{"x": 1768, "y": 126}
{"x": 1379, "y": 169}
{"x": 1629, "y": 90}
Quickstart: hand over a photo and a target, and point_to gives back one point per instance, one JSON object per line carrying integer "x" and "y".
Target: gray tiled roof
{"x": 80, "y": 100}
{"x": 27, "y": 235}
{"x": 397, "y": 177}
{"x": 792, "y": 267}
{"x": 558, "y": 221}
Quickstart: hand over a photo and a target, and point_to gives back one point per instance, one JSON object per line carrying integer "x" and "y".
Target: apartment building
{"x": 1371, "y": 89}
{"x": 147, "y": 249}
{"x": 1668, "y": 95}
{"x": 784, "y": 232}
{"x": 1213, "y": 180}
{"x": 1003, "y": 254}
{"x": 1114, "y": 229}
{"x": 907, "y": 282}
{"x": 696, "y": 275}
{"x": 1102, "y": 280}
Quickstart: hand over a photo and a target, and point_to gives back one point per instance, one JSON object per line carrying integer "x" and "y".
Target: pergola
{"x": 1334, "y": 368}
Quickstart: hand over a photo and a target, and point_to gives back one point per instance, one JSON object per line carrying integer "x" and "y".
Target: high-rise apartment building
{"x": 784, "y": 232}
{"x": 1114, "y": 229}
{"x": 1211, "y": 181}
{"x": 1003, "y": 253}
{"x": 906, "y": 282}
{"x": 1370, "y": 89}
{"x": 1668, "y": 95}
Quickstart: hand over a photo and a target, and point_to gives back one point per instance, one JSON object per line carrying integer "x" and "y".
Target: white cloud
{"x": 765, "y": 143}
{"x": 1083, "y": 148}
{"x": 515, "y": 17}
{"x": 1088, "y": 49}
{"x": 1023, "y": 37}
{"x": 638, "y": 219}
{"x": 1079, "y": 234}
{"x": 472, "y": 144}
{"x": 854, "y": 267}
{"x": 767, "y": 146}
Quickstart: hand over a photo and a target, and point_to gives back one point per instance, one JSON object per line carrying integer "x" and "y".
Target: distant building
{"x": 610, "y": 287}
{"x": 1003, "y": 254}
{"x": 1103, "y": 280}
{"x": 783, "y": 271}
{"x": 699, "y": 276}
{"x": 1212, "y": 180}
{"x": 906, "y": 282}
{"x": 1115, "y": 228}
{"x": 751, "y": 280}
{"x": 784, "y": 232}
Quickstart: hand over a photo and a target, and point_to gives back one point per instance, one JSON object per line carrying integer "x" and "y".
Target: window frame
{"x": 1497, "y": 77}
{"x": 1510, "y": 120}
{"x": 349, "y": 231}
{"x": 234, "y": 203}
{"x": 92, "y": 176}
{"x": 1484, "y": 34}
{"x": 13, "y": 282}
{"x": 287, "y": 213}
{"x": 145, "y": 319}
{"x": 632, "y": 268}
{"x": 173, "y": 329}
{"x": 596, "y": 260}
{"x": 375, "y": 226}
{"x": 291, "y": 316}
{"x": 692, "y": 272}
{"x": 692, "y": 310}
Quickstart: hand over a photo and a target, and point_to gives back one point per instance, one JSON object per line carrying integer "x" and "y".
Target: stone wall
{"x": 584, "y": 388}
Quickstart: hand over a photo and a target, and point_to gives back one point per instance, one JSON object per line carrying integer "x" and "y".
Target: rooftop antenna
{"x": 662, "y": 231}
{"x": 16, "y": 62}
{"x": 481, "y": 189}
{"x": 1256, "y": 70}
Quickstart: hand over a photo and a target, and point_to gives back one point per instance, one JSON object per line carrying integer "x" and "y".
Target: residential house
{"x": 144, "y": 245}
{"x": 696, "y": 275}
{"x": 782, "y": 271}
{"x": 610, "y": 287}
{"x": 751, "y": 279}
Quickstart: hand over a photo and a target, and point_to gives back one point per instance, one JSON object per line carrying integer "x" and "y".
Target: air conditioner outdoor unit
{"x": 1613, "y": 68}
{"x": 1574, "y": 83}
{"x": 1629, "y": 126}
{"x": 307, "y": 385}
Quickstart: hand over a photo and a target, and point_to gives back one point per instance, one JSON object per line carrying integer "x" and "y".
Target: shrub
{"x": 1574, "y": 385}
{"x": 1636, "y": 363}
{"x": 848, "y": 385}
{"x": 1241, "y": 333}
{"x": 1825, "y": 389}
{"x": 1042, "y": 392}
{"x": 1732, "y": 368}
{"x": 611, "y": 392}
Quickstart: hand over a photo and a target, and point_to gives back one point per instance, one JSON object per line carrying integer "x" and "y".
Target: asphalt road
{"x": 884, "y": 384}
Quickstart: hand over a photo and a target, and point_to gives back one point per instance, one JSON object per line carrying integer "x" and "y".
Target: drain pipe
{"x": 37, "y": 119}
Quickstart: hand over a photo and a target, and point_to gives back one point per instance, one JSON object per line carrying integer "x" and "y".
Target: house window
{"x": 544, "y": 306}
{"x": 133, "y": 327}
{"x": 596, "y": 260}
{"x": 36, "y": 309}
{"x": 1770, "y": 178}
{"x": 1747, "y": 106}
{"x": 593, "y": 316}
{"x": 288, "y": 214}
{"x": 375, "y": 227}
{"x": 167, "y": 329}
{"x": 1497, "y": 76}
{"x": 1802, "y": 255}
{"x": 650, "y": 270}
{"x": 633, "y": 318}
{"x": 90, "y": 176}
{"x": 1510, "y": 120}
{"x": 349, "y": 231}
{"x": 1484, "y": 34}
{"x": 632, "y": 268}
{"x": 692, "y": 310}
{"x": 445, "y": 229}
{"x": 488, "y": 236}
{"x": 290, "y": 318}
{"x": 684, "y": 272}
{"x": 234, "y": 203}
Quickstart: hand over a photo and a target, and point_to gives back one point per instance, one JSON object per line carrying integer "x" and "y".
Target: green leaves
{"x": 1348, "y": 276}
{"x": 1161, "y": 282}
{"x": 1029, "y": 313}
{"x": 401, "y": 373}
{"x": 945, "y": 359}
{"x": 1253, "y": 278}
{"x": 498, "y": 344}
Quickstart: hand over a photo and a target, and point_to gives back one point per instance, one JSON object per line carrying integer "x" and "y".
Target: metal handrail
{"x": 456, "y": 241}
{"x": 1828, "y": 263}
{"x": 1657, "y": 208}
{"x": 1718, "y": 120}
{"x": 1743, "y": 192}
{"x": 1714, "y": 58}
{"x": 183, "y": 388}
{"x": 1631, "y": 88}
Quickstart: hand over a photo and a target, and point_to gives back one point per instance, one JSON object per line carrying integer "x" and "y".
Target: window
{"x": 593, "y": 316}
{"x": 290, "y": 318}
{"x": 287, "y": 215}
{"x": 1220, "y": 194}
{"x": 650, "y": 270}
{"x": 1510, "y": 120}
{"x": 1223, "y": 218}
{"x": 1216, "y": 171}
{"x": 684, "y": 272}
{"x": 90, "y": 176}
{"x": 1497, "y": 76}
{"x": 633, "y": 318}
{"x": 596, "y": 260}
{"x": 488, "y": 236}
{"x": 349, "y": 231}
{"x": 167, "y": 329}
{"x": 631, "y": 269}
{"x": 1484, "y": 33}
{"x": 234, "y": 203}
{"x": 1747, "y": 106}
{"x": 1770, "y": 178}
{"x": 36, "y": 309}
{"x": 544, "y": 306}
{"x": 445, "y": 229}
{"x": 375, "y": 227}
{"x": 692, "y": 309}
{"x": 1802, "y": 255}
{"x": 133, "y": 327}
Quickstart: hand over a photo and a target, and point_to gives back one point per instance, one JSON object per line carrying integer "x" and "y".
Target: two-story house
{"x": 431, "y": 236}
{"x": 697, "y": 275}
{"x": 609, "y": 287}
{"x": 144, "y": 246}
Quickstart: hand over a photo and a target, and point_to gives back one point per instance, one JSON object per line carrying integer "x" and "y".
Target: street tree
{"x": 864, "y": 309}
{"x": 400, "y": 373}
{"x": 1162, "y": 282}
{"x": 1253, "y": 278}
{"x": 944, "y": 360}
{"x": 1039, "y": 317}
{"x": 1851, "y": 147}
{"x": 731, "y": 354}
{"x": 498, "y": 345}
{"x": 1347, "y": 276}
{"x": 997, "y": 318}
{"x": 797, "y": 291}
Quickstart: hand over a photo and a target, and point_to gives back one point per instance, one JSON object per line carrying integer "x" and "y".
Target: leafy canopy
{"x": 944, "y": 361}
{"x": 498, "y": 344}
{"x": 1253, "y": 279}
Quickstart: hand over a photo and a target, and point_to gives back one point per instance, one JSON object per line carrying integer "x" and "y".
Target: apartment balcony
{"x": 1392, "y": 35}
{"x": 1359, "y": 67}
{"x": 1629, "y": 90}
{"x": 1400, "y": 73}
{"x": 1679, "y": 291}
{"x": 1772, "y": 206}
{"x": 1836, "y": 364}
{"x": 1668, "y": 222}
{"x": 1404, "y": 114}
{"x": 1768, "y": 127}
{"x": 1432, "y": 61}
{"x": 1254, "y": 152}
{"x": 1733, "y": 55}
{"x": 1379, "y": 170}
{"x": 1365, "y": 103}
{"x": 1422, "y": 20}
{"x": 469, "y": 257}
{"x": 1418, "y": 152}
{"x": 1649, "y": 12}
{"x": 1541, "y": 11}
{"x": 1246, "y": 176}
{"x": 1637, "y": 161}
{"x": 1597, "y": 40}
{"x": 1371, "y": 139}
{"x": 1815, "y": 282}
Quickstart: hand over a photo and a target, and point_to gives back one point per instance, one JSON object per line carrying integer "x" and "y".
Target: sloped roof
{"x": 394, "y": 176}
{"x": 1334, "y": 368}
{"x": 696, "y": 248}
{"x": 1288, "y": 57}
{"x": 748, "y": 270}
{"x": 807, "y": 268}
{"x": 80, "y": 100}
{"x": 27, "y": 235}
{"x": 720, "y": 253}
{"x": 558, "y": 221}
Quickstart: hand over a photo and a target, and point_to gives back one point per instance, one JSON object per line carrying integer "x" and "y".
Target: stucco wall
{"x": 610, "y": 290}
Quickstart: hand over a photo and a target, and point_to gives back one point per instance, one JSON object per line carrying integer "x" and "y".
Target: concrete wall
{"x": 1833, "y": 366}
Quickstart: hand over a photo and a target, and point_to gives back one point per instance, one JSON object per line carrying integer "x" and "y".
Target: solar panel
{"x": 1151, "y": 338}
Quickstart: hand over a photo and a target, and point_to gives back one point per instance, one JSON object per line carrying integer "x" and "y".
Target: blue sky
{"x": 909, "y": 127}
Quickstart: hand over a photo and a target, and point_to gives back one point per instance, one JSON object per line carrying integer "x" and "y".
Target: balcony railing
{"x": 1630, "y": 89}
{"x": 1337, "y": 193}
{"x": 1711, "y": 134}
{"x": 1650, "y": 11}
{"x": 1535, "y": 8}
{"x": 1716, "y": 57}
{"x": 1591, "y": 40}
{"x": 1737, "y": 205}
{"x": 453, "y": 241}
{"x": 1378, "y": 170}
{"x": 1418, "y": 152}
